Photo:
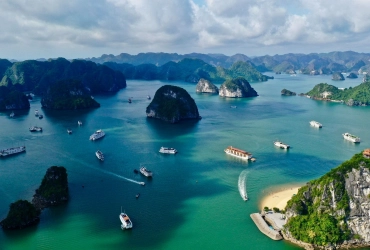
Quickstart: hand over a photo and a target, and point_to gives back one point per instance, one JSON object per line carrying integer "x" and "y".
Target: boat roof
{"x": 238, "y": 150}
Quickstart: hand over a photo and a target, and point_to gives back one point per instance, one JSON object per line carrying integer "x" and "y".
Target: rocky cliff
{"x": 288, "y": 92}
{"x": 334, "y": 210}
{"x": 11, "y": 99}
{"x": 235, "y": 88}
{"x": 21, "y": 214}
{"x": 172, "y": 104}
{"x": 337, "y": 76}
{"x": 205, "y": 86}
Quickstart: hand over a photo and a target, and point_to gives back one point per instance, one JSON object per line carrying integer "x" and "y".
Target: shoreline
{"x": 279, "y": 199}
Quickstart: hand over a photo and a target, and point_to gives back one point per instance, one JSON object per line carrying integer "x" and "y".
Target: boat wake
{"x": 122, "y": 177}
{"x": 242, "y": 183}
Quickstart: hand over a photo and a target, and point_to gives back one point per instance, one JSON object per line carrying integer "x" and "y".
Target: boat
{"x": 245, "y": 198}
{"x": 100, "y": 155}
{"x": 281, "y": 145}
{"x": 79, "y": 123}
{"x": 148, "y": 97}
{"x": 238, "y": 153}
{"x": 36, "y": 112}
{"x": 233, "y": 107}
{"x": 11, "y": 151}
{"x": 137, "y": 195}
{"x": 146, "y": 172}
{"x": 97, "y": 135}
{"x": 165, "y": 150}
{"x": 41, "y": 116}
{"x": 11, "y": 114}
{"x": 351, "y": 138}
{"x": 129, "y": 100}
{"x": 69, "y": 131}
{"x": 35, "y": 129}
{"x": 315, "y": 124}
{"x": 125, "y": 220}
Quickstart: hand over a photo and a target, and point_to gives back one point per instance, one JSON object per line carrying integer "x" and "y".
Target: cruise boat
{"x": 351, "y": 138}
{"x": 11, "y": 114}
{"x": 36, "y": 112}
{"x": 41, "y": 116}
{"x": 165, "y": 150}
{"x": 315, "y": 124}
{"x": 35, "y": 129}
{"x": 69, "y": 131}
{"x": 97, "y": 135}
{"x": 100, "y": 155}
{"x": 79, "y": 123}
{"x": 146, "y": 172}
{"x": 11, "y": 151}
{"x": 125, "y": 220}
{"x": 281, "y": 145}
{"x": 238, "y": 153}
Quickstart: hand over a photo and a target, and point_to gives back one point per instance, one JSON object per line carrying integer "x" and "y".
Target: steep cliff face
{"x": 12, "y": 99}
{"x": 236, "y": 88}
{"x": 172, "y": 104}
{"x": 205, "y": 86}
{"x": 335, "y": 209}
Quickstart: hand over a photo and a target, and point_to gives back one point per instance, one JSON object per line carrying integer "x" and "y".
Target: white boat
{"x": 125, "y": 220}
{"x": 79, "y": 123}
{"x": 281, "y": 145}
{"x": 36, "y": 112}
{"x": 97, "y": 135}
{"x": 146, "y": 172}
{"x": 315, "y": 124}
{"x": 351, "y": 138}
{"x": 11, "y": 151}
{"x": 148, "y": 97}
{"x": 35, "y": 129}
{"x": 69, "y": 131}
{"x": 238, "y": 153}
{"x": 245, "y": 198}
{"x": 165, "y": 150}
{"x": 100, "y": 155}
{"x": 11, "y": 114}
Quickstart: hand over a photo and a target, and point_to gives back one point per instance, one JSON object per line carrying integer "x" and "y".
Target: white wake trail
{"x": 127, "y": 179}
{"x": 242, "y": 184}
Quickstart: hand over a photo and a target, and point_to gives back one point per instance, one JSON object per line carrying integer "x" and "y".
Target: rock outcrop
{"x": 21, "y": 214}
{"x": 12, "y": 99}
{"x": 288, "y": 92}
{"x": 334, "y": 209}
{"x": 172, "y": 104}
{"x": 352, "y": 76}
{"x": 237, "y": 88}
{"x": 337, "y": 76}
{"x": 205, "y": 86}
{"x": 53, "y": 189}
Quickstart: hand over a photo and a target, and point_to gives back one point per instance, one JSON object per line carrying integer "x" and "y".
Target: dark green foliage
{"x": 241, "y": 84}
{"x": 360, "y": 93}
{"x": 337, "y": 76}
{"x": 54, "y": 185}
{"x": 21, "y": 214}
{"x": 12, "y": 99}
{"x": 68, "y": 94}
{"x": 276, "y": 210}
{"x": 266, "y": 209}
{"x": 287, "y": 92}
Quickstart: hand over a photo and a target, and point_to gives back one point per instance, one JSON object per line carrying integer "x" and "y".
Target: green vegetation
{"x": 266, "y": 209}
{"x": 276, "y": 210}
{"x": 68, "y": 94}
{"x": 12, "y": 99}
{"x": 240, "y": 84}
{"x": 287, "y": 92}
{"x": 317, "y": 221}
{"x": 54, "y": 185}
{"x": 21, "y": 214}
{"x": 359, "y": 95}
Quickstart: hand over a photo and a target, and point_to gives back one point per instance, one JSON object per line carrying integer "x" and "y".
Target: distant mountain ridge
{"x": 323, "y": 63}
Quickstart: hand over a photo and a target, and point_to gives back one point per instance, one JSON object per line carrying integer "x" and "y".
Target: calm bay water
{"x": 193, "y": 201}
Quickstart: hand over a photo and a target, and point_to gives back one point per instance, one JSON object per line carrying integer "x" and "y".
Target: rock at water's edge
{"x": 236, "y": 88}
{"x": 205, "y": 86}
{"x": 337, "y": 76}
{"x": 21, "y": 214}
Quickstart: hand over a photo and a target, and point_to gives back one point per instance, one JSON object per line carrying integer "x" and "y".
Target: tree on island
{"x": 21, "y": 214}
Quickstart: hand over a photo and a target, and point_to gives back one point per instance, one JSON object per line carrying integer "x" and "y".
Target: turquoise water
{"x": 193, "y": 201}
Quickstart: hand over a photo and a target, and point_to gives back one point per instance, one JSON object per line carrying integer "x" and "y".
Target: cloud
{"x": 79, "y": 28}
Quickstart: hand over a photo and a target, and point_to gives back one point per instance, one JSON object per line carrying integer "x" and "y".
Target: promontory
{"x": 237, "y": 87}
{"x": 205, "y": 86}
{"x": 172, "y": 104}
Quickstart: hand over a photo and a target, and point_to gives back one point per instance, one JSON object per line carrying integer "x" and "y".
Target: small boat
{"x": 136, "y": 171}
{"x": 36, "y": 112}
{"x": 351, "y": 138}
{"x": 97, "y": 135}
{"x": 125, "y": 220}
{"x": 11, "y": 114}
{"x": 238, "y": 153}
{"x": 129, "y": 100}
{"x": 41, "y": 116}
{"x": 100, "y": 155}
{"x": 146, "y": 172}
{"x": 148, "y": 97}
{"x": 315, "y": 124}
{"x": 165, "y": 150}
{"x": 142, "y": 183}
{"x": 79, "y": 123}
{"x": 245, "y": 198}
{"x": 69, "y": 131}
{"x": 281, "y": 145}
{"x": 35, "y": 129}
{"x": 137, "y": 195}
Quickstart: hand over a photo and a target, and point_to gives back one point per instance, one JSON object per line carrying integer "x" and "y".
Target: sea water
{"x": 193, "y": 200}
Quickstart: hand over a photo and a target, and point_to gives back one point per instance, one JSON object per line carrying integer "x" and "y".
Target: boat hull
{"x": 238, "y": 153}
{"x": 351, "y": 138}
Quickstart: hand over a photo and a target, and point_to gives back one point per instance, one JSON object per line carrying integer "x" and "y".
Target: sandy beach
{"x": 279, "y": 199}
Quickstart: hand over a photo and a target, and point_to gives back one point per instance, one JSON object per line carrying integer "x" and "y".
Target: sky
{"x": 82, "y": 28}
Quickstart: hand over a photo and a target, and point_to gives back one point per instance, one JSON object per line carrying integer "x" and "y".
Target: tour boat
{"x": 79, "y": 123}
{"x": 351, "y": 138}
{"x": 100, "y": 155}
{"x": 36, "y": 112}
{"x": 35, "y": 129}
{"x": 11, "y": 114}
{"x": 125, "y": 220}
{"x": 69, "y": 131}
{"x": 238, "y": 153}
{"x": 11, "y": 151}
{"x": 146, "y": 172}
{"x": 281, "y": 145}
{"x": 315, "y": 124}
{"x": 165, "y": 150}
{"x": 97, "y": 135}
